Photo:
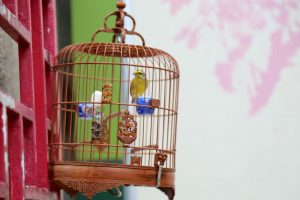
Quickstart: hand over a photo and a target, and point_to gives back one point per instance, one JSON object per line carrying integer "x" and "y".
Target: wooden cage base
{"x": 92, "y": 178}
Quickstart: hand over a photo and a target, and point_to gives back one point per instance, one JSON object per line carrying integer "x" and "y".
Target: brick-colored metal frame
{"x": 24, "y": 124}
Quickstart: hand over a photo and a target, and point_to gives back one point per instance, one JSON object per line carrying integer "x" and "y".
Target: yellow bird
{"x": 138, "y": 85}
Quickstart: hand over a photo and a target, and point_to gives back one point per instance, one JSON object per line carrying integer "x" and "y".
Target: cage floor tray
{"x": 92, "y": 178}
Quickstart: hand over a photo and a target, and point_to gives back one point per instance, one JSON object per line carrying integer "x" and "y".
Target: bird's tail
{"x": 133, "y": 100}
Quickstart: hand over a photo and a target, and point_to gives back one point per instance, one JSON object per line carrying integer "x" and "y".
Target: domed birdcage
{"x": 114, "y": 114}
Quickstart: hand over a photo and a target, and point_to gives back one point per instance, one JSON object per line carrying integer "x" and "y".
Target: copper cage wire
{"x": 82, "y": 70}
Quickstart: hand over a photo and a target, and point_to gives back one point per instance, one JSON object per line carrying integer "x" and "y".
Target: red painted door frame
{"x": 24, "y": 124}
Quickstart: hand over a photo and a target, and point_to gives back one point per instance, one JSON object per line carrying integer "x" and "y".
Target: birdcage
{"x": 114, "y": 114}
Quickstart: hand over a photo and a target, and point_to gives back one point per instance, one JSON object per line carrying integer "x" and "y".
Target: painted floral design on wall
{"x": 240, "y": 26}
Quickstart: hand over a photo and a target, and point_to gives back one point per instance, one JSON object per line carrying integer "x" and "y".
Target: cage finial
{"x": 120, "y": 14}
{"x": 121, "y": 4}
{"x": 119, "y": 30}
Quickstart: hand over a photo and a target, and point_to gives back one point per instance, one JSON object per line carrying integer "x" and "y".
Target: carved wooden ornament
{"x": 136, "y": 160}
{"x": 107, "y": 93}
{"x": 127, "y": 129}
{"x": 88, "y": 188}
{"x": 159, "y": 159}
{"x": 97, "y": 130}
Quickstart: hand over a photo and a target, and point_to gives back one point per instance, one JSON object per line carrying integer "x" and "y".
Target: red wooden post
{"x": 2, "y": 168}
{"x": 23, "y": 155}
{"x": 39, "y": 93}
{"x": 26, "y": 94}
{"x": 4, "y": 186}
{"x": 11, "y": 5}
{"x": 24, "y": 13}
{"x": 49, "y": 20}
{"x": 25, "y": 58}
{"x": 15, "y": 148}
{"x": 29, "y": 153}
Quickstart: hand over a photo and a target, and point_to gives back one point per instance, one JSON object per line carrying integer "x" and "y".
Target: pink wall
{"x": 238, "y": 126}
{"x": 242, "y": 21}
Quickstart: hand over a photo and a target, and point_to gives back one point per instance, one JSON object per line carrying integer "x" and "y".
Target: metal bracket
{"x": 160, "y": 167}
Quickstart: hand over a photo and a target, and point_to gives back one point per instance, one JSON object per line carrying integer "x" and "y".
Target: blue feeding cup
{"x": 143, "y": 106}
{"x": 85, "y": 110}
